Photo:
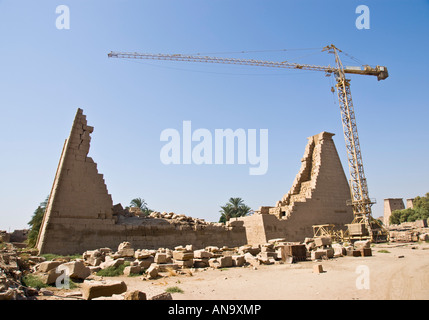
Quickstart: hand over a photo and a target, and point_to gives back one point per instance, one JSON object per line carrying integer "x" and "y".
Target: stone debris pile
{"x": 409, "y": 232}
{"x": 150, "y": 264}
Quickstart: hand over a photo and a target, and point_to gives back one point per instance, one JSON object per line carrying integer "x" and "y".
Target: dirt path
{"x": 390, "y": 276}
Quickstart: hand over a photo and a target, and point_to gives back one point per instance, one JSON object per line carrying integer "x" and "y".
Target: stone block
{"x": 339, "y": 250}
{"x": 135, "y": 295}
{"x": 354, "y": 253}
{"x": 142, "y": 254}
{"x": 152, "y": 271}
{"x": 264, "y": 259}
{"x": 105, "y": 288}
{"x": 221, "y": 262}
{"x": 317, "y": 268}
{"x": 200, "y": 254}
{"x": 77, "y": 269}
{"x": 225, "y": 261}
{"x": 238, "y": 260}
{"x": 162, "y": 296}
{"x": 145, "y": 263}
{"x": 160, "y": 257}
{"x": 267, "y": 255}
{"x": 201, "y": 263}
{"x": 366, "y": 252}
{"x": 48, "y": 265}
{"x": 126, "y": 252}
{"x": 319, "y": 254}
{"x": 362, "y": 244}
{"x": 163, "y": 267}
{"x": 322, "y": 241}
{"x": 185, "y": 263}
{"x": 112, "y": 263}
{"x": 131, "y": 270}
{"x": 183, "y": 255}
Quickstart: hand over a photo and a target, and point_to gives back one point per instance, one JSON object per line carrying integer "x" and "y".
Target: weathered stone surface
{"x": 131, "y": 270}
{"x": 48, "y": 265}
{"x": 183, "y": 255}
{"x": 135, "y": 295}
{"x": 160, "y": 258}
{"x": 152, "y": 271}
{"x": 201, "y": 263}
{"x": 112, "y": 263}
{"x": 339, "y": 250}
{"x": 322, "y": 241}
{"x": 94, "y": 289}
{"x": 319, "y": 254}
{"x": 318, "y": 268}
{"x": 362, "y": 244}
{"x": 366, "y": 252}
{"x": 238, "y": 260}
{"x": 142, "y": 254}
{"x": 185, "y": 263}
{"x": 162, "y": 296}
{"x": 164, "y": 267}
{"x": 145, "y": 263}
{"x": 77, "y": 269}
{"x": 199, "y": 254}
{"x": 318, "y": 194}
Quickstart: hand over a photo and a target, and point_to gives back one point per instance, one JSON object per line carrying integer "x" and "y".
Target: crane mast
{"x": 363, "y": 225}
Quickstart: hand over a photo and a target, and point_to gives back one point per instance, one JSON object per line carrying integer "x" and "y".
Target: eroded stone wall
{"x": 318, "y": 196}
{"x": 80, "y": 217}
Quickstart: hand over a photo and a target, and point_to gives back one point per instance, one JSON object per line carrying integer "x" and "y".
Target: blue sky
{"x": 47, "y": 73}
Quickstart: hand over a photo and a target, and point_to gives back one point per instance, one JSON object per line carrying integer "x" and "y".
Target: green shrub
{"x": 383, "y": 251}
{"x": 174, "y": 290}
{"x": 33, "y": 281}
{"x": 51, "y": 256}
{"x": 113, "y": 271}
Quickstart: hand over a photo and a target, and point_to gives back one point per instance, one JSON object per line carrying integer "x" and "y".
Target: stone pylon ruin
{"x": 79, "y": 196}
{"x": 317, "y": 196}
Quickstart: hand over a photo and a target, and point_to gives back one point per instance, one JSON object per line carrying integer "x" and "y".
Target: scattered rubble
{"x": 409, "y": 232}
{"x": 16, "y": 264}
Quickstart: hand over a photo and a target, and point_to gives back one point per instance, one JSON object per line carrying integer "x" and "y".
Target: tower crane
{"x": 363, "y": 226}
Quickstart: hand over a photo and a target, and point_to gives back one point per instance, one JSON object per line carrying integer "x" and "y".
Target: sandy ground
{"x": 403, "y": 274}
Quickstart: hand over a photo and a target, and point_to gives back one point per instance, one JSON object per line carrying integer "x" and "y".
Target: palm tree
{"x": 138, "y": 203}
{"x": 141, "y": 203}
{"x": 36, "y": 222}
{"x": 234, "y": 208}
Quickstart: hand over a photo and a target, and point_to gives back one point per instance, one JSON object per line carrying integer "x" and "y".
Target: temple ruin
{"x": 318, "y": 196}
{"x": 80, "y": 214}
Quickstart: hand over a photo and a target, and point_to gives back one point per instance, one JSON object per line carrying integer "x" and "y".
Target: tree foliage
{"x": 420, "y": 211}
{"x": 140, "y": 203}
{"x": 234, "y": 208}
{"x": 36, "y": 222}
